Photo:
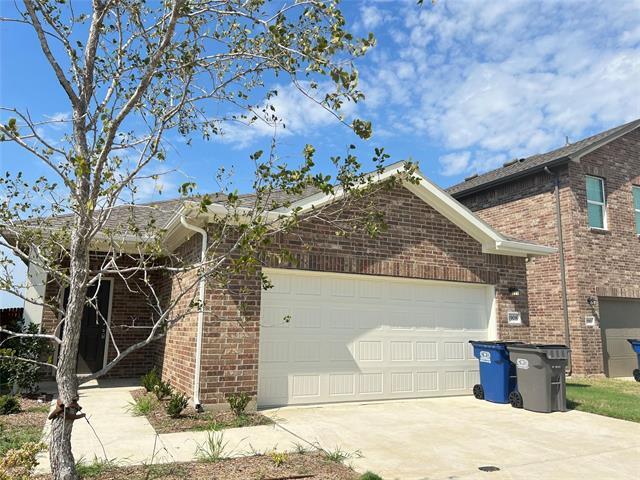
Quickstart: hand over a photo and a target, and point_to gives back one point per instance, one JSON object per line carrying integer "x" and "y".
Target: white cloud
{"x": 296, "y": 114}
{"x": 505, "y": 79}
{"x": 58, "y": 121}
{"x": 371, "y": 16}
{"x": 454, "y": 163}
{"x": 148, "y": 189}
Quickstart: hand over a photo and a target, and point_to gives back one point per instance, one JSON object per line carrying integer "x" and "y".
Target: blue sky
{"x": 461, "y": 87}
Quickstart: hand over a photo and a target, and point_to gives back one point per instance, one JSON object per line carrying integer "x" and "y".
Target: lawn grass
{"x": 19, "y": 428}
{"x": 605, "y": 396}
{"x": 14, "y": 436}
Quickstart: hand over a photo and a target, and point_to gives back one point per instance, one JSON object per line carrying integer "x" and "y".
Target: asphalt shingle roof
{"x": 126, "y": 217}
{"x": 522, "y": 165}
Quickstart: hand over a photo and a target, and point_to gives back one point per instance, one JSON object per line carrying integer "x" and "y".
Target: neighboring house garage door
{"x": 619, "y": 320}
{"x": 335, "y": 337}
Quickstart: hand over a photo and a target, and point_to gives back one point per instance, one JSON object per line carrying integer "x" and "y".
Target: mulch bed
{"x": 33, "y": 414}
{"x": 312, "y": 466}
{"x": 191, "y": 420}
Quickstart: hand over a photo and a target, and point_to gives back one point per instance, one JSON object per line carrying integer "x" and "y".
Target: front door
{"x": 619, "y": 320}
{"x": 93, "y": 329}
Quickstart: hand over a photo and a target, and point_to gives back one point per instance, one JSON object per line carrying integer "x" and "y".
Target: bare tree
{"x": 133, "y": 72}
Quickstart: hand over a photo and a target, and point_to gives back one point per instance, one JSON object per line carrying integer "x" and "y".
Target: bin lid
{"x": 543, "y": 346}
{"x": 495, "y": 342}
{"x": 633, "y": 340}
{"x": 550, "y": 351}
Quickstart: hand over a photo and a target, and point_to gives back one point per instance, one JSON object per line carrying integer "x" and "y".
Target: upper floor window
{"x": 596, "y": 208}
{"x": 636, "y": 207}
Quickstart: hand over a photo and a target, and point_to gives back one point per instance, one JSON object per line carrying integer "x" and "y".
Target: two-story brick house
{"x": 583, "y": 198}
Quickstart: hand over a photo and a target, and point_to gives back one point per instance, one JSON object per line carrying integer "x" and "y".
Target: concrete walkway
{"x": 443, "y": 438}
{"x": 118, "y": 435}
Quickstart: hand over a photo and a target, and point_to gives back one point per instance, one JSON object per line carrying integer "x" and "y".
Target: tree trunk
{"x": 60, "y": 454}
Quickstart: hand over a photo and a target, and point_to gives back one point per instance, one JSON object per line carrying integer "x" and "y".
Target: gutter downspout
{"x": 563, "y": 277}
{"x": 203, "y": 255}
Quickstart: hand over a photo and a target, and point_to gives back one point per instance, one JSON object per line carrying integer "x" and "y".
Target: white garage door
{"x": 334, "y": 337}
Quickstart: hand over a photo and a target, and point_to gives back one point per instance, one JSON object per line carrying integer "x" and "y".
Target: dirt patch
{"x": 312, "y": 466}
{"x": 191, "y": 420}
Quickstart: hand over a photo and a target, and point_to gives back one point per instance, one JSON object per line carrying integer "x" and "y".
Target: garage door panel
{"x": 353, "y": 341}
{"x": 426, "y": 351}
{"x": 619, "y": 320}
{"x": 426, "y": 381}
{"x": 368, "y": 289}
{"x": 307, "y": 286}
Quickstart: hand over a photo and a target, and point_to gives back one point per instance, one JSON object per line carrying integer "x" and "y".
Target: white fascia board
{"x": 320, "y": 199}
{"x": 520, "y": 249}
{"x": 454, "y": 211}
{"x": 466, "y": 220}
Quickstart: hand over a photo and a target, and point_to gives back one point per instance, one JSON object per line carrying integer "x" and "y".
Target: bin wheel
{"x": 636, "y": 374}
{"x": 478, "y": 392}
{"x": 515, "y": 399}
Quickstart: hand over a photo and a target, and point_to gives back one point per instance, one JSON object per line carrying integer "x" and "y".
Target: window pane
{"x": 596, "y": 215}
{"x": 636, "y": 198}
{"x": 594, "y": 190}
{"x": 638, "y": 223}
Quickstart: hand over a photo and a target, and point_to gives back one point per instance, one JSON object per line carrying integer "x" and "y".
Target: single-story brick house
{"x": 370, "y": 318}
{"x": 583, "y": 199}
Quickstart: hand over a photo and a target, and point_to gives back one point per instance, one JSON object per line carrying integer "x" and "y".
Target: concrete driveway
{"x": 450, "y": 438}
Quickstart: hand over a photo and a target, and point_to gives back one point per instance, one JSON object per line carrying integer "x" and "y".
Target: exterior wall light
{"x": 514, "y": 291}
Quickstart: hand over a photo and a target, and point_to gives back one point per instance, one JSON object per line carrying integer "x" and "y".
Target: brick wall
{"x": 419, "y": 243}
{"x": 525, "y": 209}
{"x": 175, "y": 354}
{"x": 597, "y": 263}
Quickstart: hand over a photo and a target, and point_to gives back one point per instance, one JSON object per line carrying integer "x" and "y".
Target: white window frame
{"x": 602, "y": 204}
{"x": 635, "y": 188}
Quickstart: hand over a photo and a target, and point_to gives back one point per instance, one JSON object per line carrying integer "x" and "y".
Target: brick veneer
{"x": 175, "y": 354}
{"x": 420, "y": 243}
{"x": 597, "y": 263}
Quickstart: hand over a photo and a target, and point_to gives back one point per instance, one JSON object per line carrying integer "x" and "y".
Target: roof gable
{"x": 424, "y": 189}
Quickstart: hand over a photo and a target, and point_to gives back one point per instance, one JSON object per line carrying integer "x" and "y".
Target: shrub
{"x": 370, "y": 476}
{"x": 17, "y": 464}
{"x": 9, "y": 404}
{"x": 238, "y": 402}
{"x": 213, "y": 448}
{"x": 150, "y": 379}
{"x": 18, "y": 374}
{"x": 162, "y": 390}
{"x": 142, "y": 406}
{"x": 279, "y": 458}
{"x": 177, "y": 403}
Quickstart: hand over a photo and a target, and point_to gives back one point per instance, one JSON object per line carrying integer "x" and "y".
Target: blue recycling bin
{"x": 497, "y": 372}
{"x": 635, "y": 344}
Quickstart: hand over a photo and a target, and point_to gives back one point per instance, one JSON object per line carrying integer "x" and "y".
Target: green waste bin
{"x": 540, "y": 370}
